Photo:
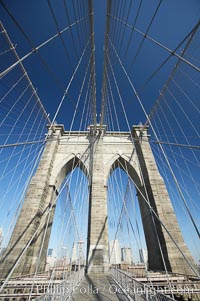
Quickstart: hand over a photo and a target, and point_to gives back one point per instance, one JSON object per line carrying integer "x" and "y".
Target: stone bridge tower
{"x": 97, "y": 153}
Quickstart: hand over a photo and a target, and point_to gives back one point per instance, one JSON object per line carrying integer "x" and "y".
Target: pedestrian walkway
{"x": 98, "y": 288}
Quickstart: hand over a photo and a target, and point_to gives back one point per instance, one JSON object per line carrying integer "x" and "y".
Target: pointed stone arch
{"x": 96, "y": 152}
{"x": 62, "y": 169}
{"x": 155, "y": 259}
{"x": 38, "y": 211}
{"x": 152, "y": 194}
{"x": 129, "y": 168}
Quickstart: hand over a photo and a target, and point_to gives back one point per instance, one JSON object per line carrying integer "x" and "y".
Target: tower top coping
{"x": 94, "y": 130}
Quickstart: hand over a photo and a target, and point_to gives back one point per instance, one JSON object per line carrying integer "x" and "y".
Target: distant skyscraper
{"x": 115, "y": 252}
{"x": 64, "y": 252}
{"x": 1, "y": 233}
{"x": 143, "y": 255}
{"x": 80, "y": 252}
{"x": 1, "y": 239}
{"x": 126, "y": 255}
{"x": 50, "y": 252}
{"x": 74, "y": 255}
{"x": 64, "y": 255}
{"x": 50, "y": 259}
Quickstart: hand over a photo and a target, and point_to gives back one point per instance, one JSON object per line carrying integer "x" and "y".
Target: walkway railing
{"x": 135, "y": 290}
{"x": 64, "y": 288}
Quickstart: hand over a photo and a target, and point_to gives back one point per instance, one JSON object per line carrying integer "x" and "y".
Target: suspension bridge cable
{"x": 34, "y": 48}
{"x": 183, "y": 111}
{"x": 58, "y": 31}
{"x": 86, "y": 26}
{"x": 118, "y": 34}
{"x": 68, "y": 85}
{"x": 124, "y": 207}
{"x": 191, "y": 33}
{"x": 173, "y": 194}
{"x": 105, "y": 64}
{"x": 185, "y": 94}
{"x": 195, "y": 84}
{"x": 113, "y": 102}
{"x": 94, "y": 109}
{"x": 132, "y": 31}
{"x": 16, "y": 102}
{"x": 80, "y": 94}
{"x": 146, "y": 32}
{"x": 79, "y": 132}
{"x": 47, "y": 223}
{"x": 23, "y": 149}
{"x": 78, "y": 30}
{"x": 70, "y": 29}
{"x": 172, "y": 52}
{"x": 178, "y": 123}
{"x": 86, "y": 102}
{"x": 154, "y": 224}
{"x": 109, "y": 110}
{"x": 84, "y": 159}
{"x": 121, "y": 42}
{"x": 164, "y": 169}
{"x": 116, "y": 27}
{"x": 155, "y": 134}
{"x": 197, "y": 147}
{"x": 28, "y": 102}
{"x": 12, "y": 88}
{"x": 189, "y": 146}
{"x": 155, "y": 214}
{"x": 34, "y": 234}
{"x": 178, "y": 168}
{"x": 190, "y": 176}
{"x": 83, "y": 27}
{"x": 170, "y": 77}
{"x": 45, "y": 65}
{"x": 185, "y": 184}
{"x": 20, "y": 196}
{"x": 120, "y": 174}
{"x": 112, "y": 7}
{"x": 8, "y": 50}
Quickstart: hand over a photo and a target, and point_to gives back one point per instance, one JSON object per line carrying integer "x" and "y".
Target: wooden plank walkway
{"x": 98, "y": 288}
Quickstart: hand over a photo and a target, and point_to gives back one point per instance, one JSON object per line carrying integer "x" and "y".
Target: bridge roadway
{"x": 98, "y": 288}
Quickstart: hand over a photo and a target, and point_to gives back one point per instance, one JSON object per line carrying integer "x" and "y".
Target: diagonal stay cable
{"x": 155, "y": 134}
{"x": 58, "y": 30}
{"x": 12, "y": 88}
{"x": 105, "y": 64}
{"x": 94, "y": 109}
{"x": 163, "y": 225}
{"x": 148, "y": 28}
{"x": 47, "y": 214}
{"x": 121, "y": 42}
{"x": 71, "y": 32}
{"x": 43, "y": 61}
{"x": 191, "y": 34}
{"x": 78, "y": 29}
{"x": 172, "y": 52}
{"x": 69, "y": 84}
{"x": 25, "y": 73}
{"x": 116, "y": 26}
{"x": 120, "y": 27}
{"x": 132, "y": 31}
{"x": 34, "y": 49}
{"x": 157, "y": 102}
{"x": 80, "y": 94}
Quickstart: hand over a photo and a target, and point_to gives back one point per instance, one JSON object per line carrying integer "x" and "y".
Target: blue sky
{"x": 173, "y": 21}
